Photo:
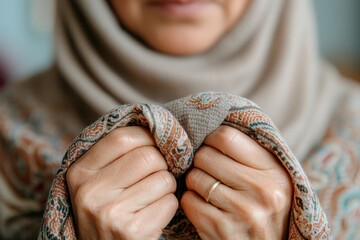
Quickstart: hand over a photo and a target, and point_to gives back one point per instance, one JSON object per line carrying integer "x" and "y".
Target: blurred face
{"x": 179, "y": 27}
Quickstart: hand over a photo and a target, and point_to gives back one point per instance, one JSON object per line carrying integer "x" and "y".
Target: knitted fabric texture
{"x": 179, "y": 129}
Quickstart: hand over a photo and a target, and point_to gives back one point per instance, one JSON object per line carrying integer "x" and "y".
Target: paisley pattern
{"x": 307, "y": 217}
{"x": 33, "y": 139}
{"x": 35, "y": 133}
{"x": 333, "y": 167}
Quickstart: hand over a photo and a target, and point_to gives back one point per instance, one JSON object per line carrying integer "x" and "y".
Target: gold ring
{"x": 211, "y": 189}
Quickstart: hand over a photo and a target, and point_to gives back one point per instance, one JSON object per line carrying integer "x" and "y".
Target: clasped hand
{"x": 121, "y": 189}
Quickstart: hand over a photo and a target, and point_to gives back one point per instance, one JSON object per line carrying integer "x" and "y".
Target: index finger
{"x": 117, "y": 143}
{"x": 241, "y": 148}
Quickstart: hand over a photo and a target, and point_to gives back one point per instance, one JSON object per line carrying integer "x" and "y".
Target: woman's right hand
{"x": 121, "y": 189}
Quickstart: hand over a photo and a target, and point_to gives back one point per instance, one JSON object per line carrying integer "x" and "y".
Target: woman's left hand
{"x": 254, "y": 197}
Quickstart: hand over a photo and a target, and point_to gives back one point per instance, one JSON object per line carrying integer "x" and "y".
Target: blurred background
{"x": 338, "y": 26}
{"x": 26, "y": 30}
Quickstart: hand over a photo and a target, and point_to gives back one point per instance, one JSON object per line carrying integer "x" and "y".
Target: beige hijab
{"x": 270, "y": 57}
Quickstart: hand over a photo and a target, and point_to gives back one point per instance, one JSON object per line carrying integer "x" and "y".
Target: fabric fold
{"x": 179, "y": 129}
{"x": 269, "y": 56}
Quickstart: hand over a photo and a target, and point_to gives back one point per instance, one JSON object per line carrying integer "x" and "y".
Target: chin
{"x": 181, "y": 44}
{"x": 181, "y": 49}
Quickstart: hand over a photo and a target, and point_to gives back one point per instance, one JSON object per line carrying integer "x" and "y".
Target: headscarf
{"x": 270, "y": 57}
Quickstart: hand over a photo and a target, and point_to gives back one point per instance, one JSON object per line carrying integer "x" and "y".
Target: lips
{"x": 180, "y": 8}
{"x": 175, "y": 1}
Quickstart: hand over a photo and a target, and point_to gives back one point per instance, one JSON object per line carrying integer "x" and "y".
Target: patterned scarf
{"x": 179, "y": 128}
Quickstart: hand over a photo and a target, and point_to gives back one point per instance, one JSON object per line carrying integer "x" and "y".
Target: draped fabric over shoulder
{"x": 270, "y": 57}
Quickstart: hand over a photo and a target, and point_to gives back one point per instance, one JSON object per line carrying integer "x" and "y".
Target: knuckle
{"x": 234, "y": 202}
{"x": 104, "y": 218}
{"x": 85, "y": 200}
{"x": 227, "y": 135}
{"x": 169, "y": 205}
{"x": 193, "y": 178}
{"x": 120, "y": 137}
{"x": 108, "y": 220}
{"x": 276, "y": 200}
{"x": 167, "y": 180}
{"x": 114, "y": 217}
{"x": 279, "y": 201}
{"x": 133, "y": 228}
{"x": 201, "y": 156}
{"x": 230, "y": 136}
{"x": 72, "y": 176}
{"x": 173, "y": 202}
{"x": 257, "y": 219}
{"x": 150, "y": 156}
{"x": 108, "y": 215}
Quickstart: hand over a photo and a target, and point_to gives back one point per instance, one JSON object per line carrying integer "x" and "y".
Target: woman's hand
{"x": 254, "y": 198}
{"x": 121, "y": 189}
